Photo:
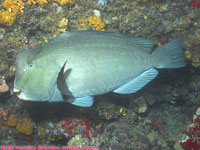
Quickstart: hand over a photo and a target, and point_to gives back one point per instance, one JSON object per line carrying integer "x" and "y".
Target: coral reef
{"x": 25, "y": 126}
{"x": 63, "y": 2}
{"x": 149, "y": 119}
{"x": 42, "y": 132}
{"x": 139, "y": 105}
{"x": 4, "y": 113}
{"x": 13, "y": 8}
{"x": 76, "y": 141}
{"x": 190, "y": 135}
{"x": 40, "y": 2}
{"x": 11, "y": 121}
{"x": 73, "y": 126}
{"x": 16, "y": 7}
{"x": 93, "y": 22}
{"x": 195, "y": 3}
{"x": 195, "y": 56}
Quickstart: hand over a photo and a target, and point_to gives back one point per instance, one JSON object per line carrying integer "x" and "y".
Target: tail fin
{"x": 170, "y": 55}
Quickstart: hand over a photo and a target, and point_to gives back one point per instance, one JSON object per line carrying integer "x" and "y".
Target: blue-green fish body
{"x": 75, "y": 66}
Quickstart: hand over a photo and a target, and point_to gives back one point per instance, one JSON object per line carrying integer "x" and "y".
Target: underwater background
{"x": 164, "y": 115}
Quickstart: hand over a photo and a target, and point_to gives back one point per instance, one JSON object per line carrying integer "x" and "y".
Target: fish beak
{"x": 23, "y": 96}
{"x": 16, "y": 90}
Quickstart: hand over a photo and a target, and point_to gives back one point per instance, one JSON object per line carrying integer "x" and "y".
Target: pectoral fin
{"x": 61, "y": 81}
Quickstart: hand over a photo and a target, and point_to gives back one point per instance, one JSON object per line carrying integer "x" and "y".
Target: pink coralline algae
{"x": 71, "y": 123}
{"x": 195, "y": 3}
{"x": 191, "y": 134}
{"x": 4, "y": 113}
{"x": 161, "y": 42}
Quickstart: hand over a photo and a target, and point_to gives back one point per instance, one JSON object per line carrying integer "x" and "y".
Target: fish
{"x": 75, "y": 66}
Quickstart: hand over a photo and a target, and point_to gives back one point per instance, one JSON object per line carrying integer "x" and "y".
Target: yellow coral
{"x": 13, "y": 8}
{"x": 25, "y": 126}
{"x": 96, "y": 21}
{"x": 51, "y": 138}
{"x": 40, "y": 2}
{"x": 198, "y": 35}
{"x": 31, "y": 2}
{"x": 188, "y": 55}
{"x": 93, "y": 22}
{"x": 99, "y": 126}
{"x": 62, "y": 27}
{"x": 63, "y": 23}
{"x": 11, "y": 121}
{"x": 42, "y": 132}
{"x": 7, "y": 18}
{"x": 63, "y": 2}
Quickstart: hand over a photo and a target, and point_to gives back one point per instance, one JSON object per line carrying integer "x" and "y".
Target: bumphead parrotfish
{"x": 75, "y": 66}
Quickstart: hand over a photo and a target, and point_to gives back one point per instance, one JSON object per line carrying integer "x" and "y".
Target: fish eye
{"x": 30, "y": 65}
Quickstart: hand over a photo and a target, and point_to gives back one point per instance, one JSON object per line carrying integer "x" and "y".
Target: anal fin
{"x": 86, "y": 101}
{"x": 138, "y": 82}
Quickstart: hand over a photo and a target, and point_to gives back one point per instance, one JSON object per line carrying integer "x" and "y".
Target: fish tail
{"x": 171, "y": 54}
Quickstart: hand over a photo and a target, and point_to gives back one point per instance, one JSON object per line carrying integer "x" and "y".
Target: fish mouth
{"x": 21, "y": 94}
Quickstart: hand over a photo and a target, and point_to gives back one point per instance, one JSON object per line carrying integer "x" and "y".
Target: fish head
{"x": 36, "y": 75}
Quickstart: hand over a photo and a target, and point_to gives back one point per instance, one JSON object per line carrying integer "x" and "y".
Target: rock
{"x": 97, "y": 13}
{"x": 177, "y": 146}
{"x": 142, "y": 105}
{"x": 76, "y": 141}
